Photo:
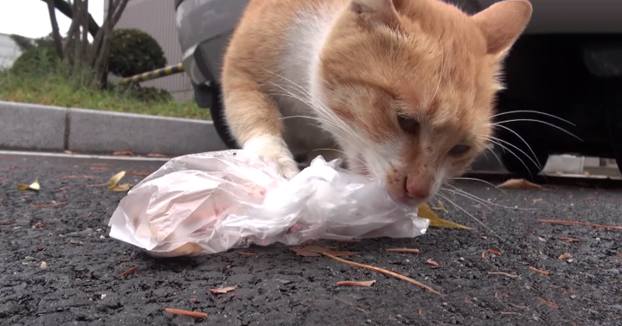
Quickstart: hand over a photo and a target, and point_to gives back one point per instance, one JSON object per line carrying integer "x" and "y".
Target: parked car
{"x": 563, "y": 77}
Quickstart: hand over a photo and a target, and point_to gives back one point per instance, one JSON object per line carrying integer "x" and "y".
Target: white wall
{"x": 9, "y": 51}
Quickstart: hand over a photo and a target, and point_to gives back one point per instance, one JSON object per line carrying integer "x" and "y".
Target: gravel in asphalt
{"x": 82, "y": 282}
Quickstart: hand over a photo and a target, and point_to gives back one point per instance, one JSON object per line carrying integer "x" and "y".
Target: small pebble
{"x": 597, "y": 239}
{"x": 461, "y": 258}
{"x": 102, "y": 237}
{"x": 573, "y": 296}
{"x": 569, "y": 260}
{"x": 103, "y": 296}
{"x": 44, "y": 265}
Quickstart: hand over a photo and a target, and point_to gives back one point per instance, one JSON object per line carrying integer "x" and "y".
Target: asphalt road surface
{"x": 83, "y": 282}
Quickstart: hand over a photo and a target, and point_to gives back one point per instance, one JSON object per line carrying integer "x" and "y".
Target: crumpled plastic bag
{"x": 211, "y": 202}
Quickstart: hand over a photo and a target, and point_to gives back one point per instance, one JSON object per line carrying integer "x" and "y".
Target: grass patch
{"x": 58, "y": 90}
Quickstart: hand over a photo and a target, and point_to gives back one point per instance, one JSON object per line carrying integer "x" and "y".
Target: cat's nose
{"x": 417, "y": 190}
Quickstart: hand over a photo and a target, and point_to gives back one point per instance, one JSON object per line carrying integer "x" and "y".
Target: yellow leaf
{"x": 115, "y": 179}
{"x": 424, "y": 211}
{"x": 33, "y": 186}
{"x": 120, "y": 188}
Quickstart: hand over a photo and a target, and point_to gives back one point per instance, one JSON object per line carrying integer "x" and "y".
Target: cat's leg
{"x": 255, "y": 122}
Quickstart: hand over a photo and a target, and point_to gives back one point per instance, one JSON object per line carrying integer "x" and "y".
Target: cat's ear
{"x": 376, "y": 12}
{"x": 502, "y": 24}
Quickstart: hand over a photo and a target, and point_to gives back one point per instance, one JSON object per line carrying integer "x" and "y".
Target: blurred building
{"x": 157, "y": 18}
{"x": 9, "y": 51}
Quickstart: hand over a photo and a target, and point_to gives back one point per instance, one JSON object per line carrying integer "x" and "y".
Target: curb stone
{"x": 46, "y": 128}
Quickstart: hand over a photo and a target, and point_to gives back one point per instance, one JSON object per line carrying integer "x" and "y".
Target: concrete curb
{"x": 46, "y": 128}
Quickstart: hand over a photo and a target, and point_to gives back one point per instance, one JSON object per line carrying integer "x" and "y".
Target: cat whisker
{"x": 469, "y": 214}
{"x": 542, "y": 122}
{"x": 535, "y": 112}
{"x": 524, "y": 141}
{"x": 458, "y": 191}
{"x": 511, "y": 152}
{"x": 478, "y": 180}
{"x": 537, "y": 164}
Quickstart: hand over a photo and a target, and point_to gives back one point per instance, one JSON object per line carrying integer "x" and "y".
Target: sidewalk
{"x": 46, "y": 128}
{"x": 32, "y": 127}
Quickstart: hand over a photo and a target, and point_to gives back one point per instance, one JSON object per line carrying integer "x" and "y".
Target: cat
{"x": 403, "y": 90}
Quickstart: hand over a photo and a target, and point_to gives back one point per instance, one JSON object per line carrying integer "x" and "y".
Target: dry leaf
{"x": 520, "y": 184}
{"x": 115, "y": 179}
{"x": 564, "y": 256}
{"x": 424, "y": 211}
{"x": 494, "y": 252}
{"x": 537, "y": 200}
{"x": 313, "y": 251}
{"x": 356, "y": 283}
{"x": 33, "y": 186}
{"x": 121, "y": 187}
{"x": 223, "y": 290}
{"x": 539, "y": 271}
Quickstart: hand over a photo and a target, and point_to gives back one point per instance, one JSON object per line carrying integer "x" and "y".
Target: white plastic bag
{"x": 211, "y": 202}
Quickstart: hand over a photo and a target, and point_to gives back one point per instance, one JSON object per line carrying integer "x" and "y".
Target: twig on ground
{"x": 539, "y": 271}
{"x": 130, "y": 271}
{"x": 404, "y": 250}
{"x": 613, "y": 227}
{"x": 186, "y": 313}
{"x": 384, "y": 271}
{"x": 504, "y": 274}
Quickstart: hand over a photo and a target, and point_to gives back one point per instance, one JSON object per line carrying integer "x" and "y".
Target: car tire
{"x": 209, "y": 97}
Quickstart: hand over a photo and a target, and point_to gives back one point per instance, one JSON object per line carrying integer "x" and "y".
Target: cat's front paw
{"x": 274, "y": 150}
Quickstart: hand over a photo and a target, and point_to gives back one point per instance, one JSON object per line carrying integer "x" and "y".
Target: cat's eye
{"x": 409, "y": 125}
{"x": 459, "y": 149}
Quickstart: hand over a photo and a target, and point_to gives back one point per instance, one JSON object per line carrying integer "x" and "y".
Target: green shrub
{"x": 39, "y": 60}
{"x": 133, "y": 51}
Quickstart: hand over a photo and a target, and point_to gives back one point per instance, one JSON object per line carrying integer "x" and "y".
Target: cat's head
{"x": 408, "y": 86}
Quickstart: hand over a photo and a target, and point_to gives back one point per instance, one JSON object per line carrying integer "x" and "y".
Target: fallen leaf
{"x": 483, "y": 255}
{"x": 537, "y": 200}
{"x": 404, "y": 250}
{"x": 433, "y": 263}
{"x": 539, "y": 271}
{"x": 520, "y": 184}
{"x": 548, "y": 303}
{"x": 496, "y": 295}
{"x": 313, "y": 251}
{"x": 33, "y": 186}
{"x": 121, "y": 188}
{"x": 564, "y": 256}
{"x": 356, "y": 283}
{"x": 424, "y": 211}
{"x": 115, "y": 179}
{"x": 223, "y": 290}
{"x": 494, "y": 252}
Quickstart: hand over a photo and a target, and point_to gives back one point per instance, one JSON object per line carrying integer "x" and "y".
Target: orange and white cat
{"x": 403, "y": 89}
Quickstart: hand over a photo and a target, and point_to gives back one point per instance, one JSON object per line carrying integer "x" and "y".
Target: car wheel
{"x": 208, "y": 97}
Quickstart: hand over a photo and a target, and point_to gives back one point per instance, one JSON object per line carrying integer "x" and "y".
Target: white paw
{"x": 275, "y": 150}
